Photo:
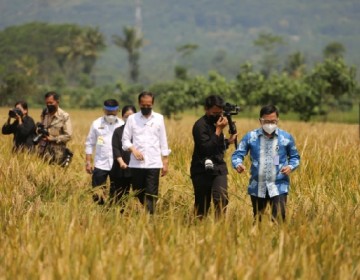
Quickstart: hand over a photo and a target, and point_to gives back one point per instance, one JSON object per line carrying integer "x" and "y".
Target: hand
{"x": 18, "y": 118}
{"x": 240, "y": 168}
{"x": 89, "y": 169}
{"x": 122, "y": 163}
{"x": 286, "y": 170}
{"x": 232, "y": 138}
{"x": 165, "y": 168}
{"x": 138, "y": 155}
{"x": 221, "y": 123}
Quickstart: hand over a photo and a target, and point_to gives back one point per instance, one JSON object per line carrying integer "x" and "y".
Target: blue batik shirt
{"x": 268, "y": 157}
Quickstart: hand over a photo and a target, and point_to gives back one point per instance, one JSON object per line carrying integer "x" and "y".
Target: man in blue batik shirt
{"x": 274, "y": 156}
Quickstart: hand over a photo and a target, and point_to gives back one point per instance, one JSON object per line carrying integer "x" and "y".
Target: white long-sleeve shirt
{"x": 148, "y": 136}
{"x": 100, "y": 139}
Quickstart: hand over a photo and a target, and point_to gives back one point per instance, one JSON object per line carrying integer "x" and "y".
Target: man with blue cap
{"x": 100, "y": 140}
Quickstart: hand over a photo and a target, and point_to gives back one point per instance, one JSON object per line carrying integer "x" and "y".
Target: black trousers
{"x": 98, "y": 179}
{"x": 277, "y": 204}
{"x": 145, "y": 183}
{"x": 119, "y": 187}
{"x": 208, "y": 186}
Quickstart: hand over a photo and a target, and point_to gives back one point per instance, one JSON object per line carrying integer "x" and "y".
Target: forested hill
{"x": 227, "y": 28}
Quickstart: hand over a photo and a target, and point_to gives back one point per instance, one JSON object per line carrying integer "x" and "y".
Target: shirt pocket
{"x": 56, "y": 129}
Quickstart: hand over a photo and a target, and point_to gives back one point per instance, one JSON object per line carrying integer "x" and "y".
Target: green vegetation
{"x": 221, "y": 29}
{"x": 50, "y": 229}
{"x": 39, "y": 56}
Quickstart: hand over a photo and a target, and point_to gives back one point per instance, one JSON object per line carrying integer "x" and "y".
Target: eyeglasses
{"x": 269, "y": 121}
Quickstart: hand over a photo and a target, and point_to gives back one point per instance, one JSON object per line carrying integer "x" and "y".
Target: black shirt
{"x": 23, "y": 133}
{"x": 207, "y": 145}
{"x": 116, "y": 171}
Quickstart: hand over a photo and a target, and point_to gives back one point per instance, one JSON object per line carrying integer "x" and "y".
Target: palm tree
{"x": 83, "y": 49}
{"x": 93, "y": 43}
{"x": 131, "y": 43}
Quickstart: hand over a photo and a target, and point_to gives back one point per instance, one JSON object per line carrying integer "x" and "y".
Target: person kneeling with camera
{"x": 54, "y": 132}
{"x": 208, "y": 168}
{"x": 23, "y": 127}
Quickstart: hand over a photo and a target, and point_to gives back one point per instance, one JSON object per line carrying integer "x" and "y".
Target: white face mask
{"x": 269, "y": 128}
{"x": 111, "y": 119}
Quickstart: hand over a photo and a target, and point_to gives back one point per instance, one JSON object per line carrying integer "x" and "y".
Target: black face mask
{"x": 214, "y": 118}
{"x": 146, "y": 111}
{"x": 51, "y": 108}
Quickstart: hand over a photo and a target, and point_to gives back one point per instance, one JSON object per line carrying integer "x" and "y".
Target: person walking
{"x": 145, "y": 137}
{"x": 55, "y": 130}
{"x": 208, "y": 169}
{"x": 120, "y": 171}
{"x": 99, "y": 139}
{"x": 274, "y": 156}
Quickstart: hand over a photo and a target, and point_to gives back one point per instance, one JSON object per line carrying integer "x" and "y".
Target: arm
{"x": 116, "y": 147}
{"x": 89, "y": 147}
{"x": 127, "y": 137}
{"x": 27, "y": 126}
{"x": 65, "y": 131}
{"x": 293, "y": 157}
{"x": 238, "y": 156}
{"x": 207, "y": 141}
{"x": 9, "y": 128}
{"x": 165, "y": 151}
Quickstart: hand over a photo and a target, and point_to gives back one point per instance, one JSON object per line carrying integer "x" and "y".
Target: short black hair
{"x": 268, "y": 109}
{"x": 53, "y": 94}
{"x": 214, "y": 100}
{"x": 23, "y": 104}
{"x": 111, "y": 103}
{"x": 127, "y": 108}
{"x": 146, "y": 93}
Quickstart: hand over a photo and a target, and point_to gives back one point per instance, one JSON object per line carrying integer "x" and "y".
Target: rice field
{"x": 51, "y": 229}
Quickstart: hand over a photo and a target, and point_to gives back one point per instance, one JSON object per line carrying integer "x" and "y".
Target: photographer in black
{"x": 23, "y": 127}
{"x": 208, "y": 169}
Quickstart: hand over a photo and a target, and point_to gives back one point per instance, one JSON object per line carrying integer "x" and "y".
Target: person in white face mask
{"x": 274, "y": 156}
{"x": 99, "y": 140}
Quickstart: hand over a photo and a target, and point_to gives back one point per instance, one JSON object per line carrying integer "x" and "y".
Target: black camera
{"x": 41, "y": 132}
{"x": 230, "y": 110}
{"x": 15, "y": 111}
{"x": 67, "y": 156}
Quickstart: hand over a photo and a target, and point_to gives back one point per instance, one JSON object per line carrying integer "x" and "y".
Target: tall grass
{"x": 50, "y": 229}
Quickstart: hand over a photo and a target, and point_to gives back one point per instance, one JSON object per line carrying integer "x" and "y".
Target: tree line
{"x": 40, "y": 56}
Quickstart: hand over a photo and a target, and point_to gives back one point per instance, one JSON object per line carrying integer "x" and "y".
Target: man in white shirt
{"x": 100, "y": 139}
{"x": 145, "y": 137}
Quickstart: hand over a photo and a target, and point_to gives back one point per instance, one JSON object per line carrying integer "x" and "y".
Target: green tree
{"x": 269, "y": 44}
{"x": 184, "y": 52}
{"x": 332, "y": 80}
{"x": 47, "y": 50}
{"x": 16, "y": 86}
{"x": 80, "y": 53}
{"x": 248, "y": 85}
{"x": 180, "y": 72}
{"x": 94, "y": 43}
{"x": 334, "y": 50}
{"x": 295, "y": 65}
{"x": 132, "y": 44}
